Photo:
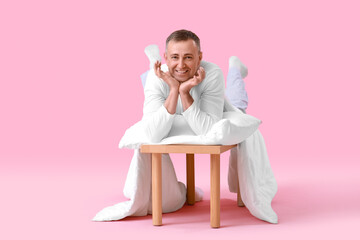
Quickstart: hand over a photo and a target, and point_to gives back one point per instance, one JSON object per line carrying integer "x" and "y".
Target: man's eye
{"x": 174, "y": 57}
{"x": 189, "y": 57}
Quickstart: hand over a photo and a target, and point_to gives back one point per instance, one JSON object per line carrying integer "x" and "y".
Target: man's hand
{"x": 171, "y": 101}
{"x": 166, "y": 77}
{"x": 186, "y": 86}
{"x": 192, "y": 82}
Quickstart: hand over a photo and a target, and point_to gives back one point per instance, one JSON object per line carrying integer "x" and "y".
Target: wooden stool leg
{"x": 190, "y": 178}
{"x": 240, "y": 203}
{"x": 156, "y": 189}
{"x": 215, "y": 190}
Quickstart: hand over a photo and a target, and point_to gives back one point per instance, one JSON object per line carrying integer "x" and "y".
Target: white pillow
{"x": 234, "y": 128}
{"x": 241, "y": 127}
{"x": 134, "y": 136}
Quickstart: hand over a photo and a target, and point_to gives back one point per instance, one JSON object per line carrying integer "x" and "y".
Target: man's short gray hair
{"x": 183, "y": 35}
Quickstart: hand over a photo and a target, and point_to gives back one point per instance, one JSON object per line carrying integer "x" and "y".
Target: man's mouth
{"x": 181, "y": 72}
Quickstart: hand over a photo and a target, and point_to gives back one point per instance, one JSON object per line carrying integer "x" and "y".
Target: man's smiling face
{"x": 183, "y": 59}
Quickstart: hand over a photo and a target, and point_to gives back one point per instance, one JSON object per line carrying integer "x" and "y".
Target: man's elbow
{"x": 204, "y": 128}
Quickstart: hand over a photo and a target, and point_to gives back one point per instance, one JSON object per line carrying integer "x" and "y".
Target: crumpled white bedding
{"x": 249, "y": 166}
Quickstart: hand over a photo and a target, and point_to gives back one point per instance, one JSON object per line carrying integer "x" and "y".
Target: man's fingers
{"x": 197, "y": 79}
{"x": 202, "y": 72}
{"x": 156, "y": 65}
{"x": 199, "y": 76}
{"x": 157, "y": 68}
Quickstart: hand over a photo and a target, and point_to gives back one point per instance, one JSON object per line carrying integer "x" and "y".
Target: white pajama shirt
{"x": 206, "y": 109}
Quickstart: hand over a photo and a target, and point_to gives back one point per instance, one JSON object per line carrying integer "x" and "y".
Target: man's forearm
{"x": 171, "y": 101}
{"x": 186, "y": 100}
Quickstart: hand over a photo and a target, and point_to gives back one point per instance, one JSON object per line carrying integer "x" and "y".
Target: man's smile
{"x": 181, "y": 71}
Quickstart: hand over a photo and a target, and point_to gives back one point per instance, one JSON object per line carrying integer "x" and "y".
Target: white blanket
{"x": 249, "y": 166}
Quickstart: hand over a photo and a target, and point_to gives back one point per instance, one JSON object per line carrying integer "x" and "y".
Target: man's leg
{"x": 153, "y": 54}
{"x": 235, "y": 86}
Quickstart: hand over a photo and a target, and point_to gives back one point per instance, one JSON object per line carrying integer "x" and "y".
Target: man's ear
{"x": 200, "y": 56}
{"x": 165, "y": 56}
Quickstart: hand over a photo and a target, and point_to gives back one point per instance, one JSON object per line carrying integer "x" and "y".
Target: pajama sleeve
{"x": 208, "y": 108}
{"x": 157, "y": 119}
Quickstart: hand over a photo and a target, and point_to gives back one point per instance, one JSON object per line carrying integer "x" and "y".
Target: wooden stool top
{"x": 186, "y": 148}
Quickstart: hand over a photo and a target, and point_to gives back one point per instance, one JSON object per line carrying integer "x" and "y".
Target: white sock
{"x": 236, "y": 63}
{"x": 198, "y": 194}
{"x": 153, "y": 54}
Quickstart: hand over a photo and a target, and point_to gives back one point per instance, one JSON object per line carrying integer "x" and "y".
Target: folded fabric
{"x": 249, "y": 166}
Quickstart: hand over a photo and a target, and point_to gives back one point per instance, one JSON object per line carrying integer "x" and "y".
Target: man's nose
{"x": 181, "y": 63}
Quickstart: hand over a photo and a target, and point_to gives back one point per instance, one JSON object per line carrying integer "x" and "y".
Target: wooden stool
{"x": 190, "y": 150}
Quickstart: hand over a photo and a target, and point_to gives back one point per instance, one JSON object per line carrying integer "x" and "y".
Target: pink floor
{"x": 43, "y": 201}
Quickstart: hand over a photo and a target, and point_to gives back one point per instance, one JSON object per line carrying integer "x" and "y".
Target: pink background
{"x": 70, "y": 87}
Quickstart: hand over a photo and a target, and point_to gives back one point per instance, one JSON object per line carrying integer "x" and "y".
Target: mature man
{"x": 186, "y": 97}
{"x": 188, "y": 94}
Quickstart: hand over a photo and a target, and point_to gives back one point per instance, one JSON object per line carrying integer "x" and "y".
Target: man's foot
{"x": 236, "y": 63}
{"x": 153, "y": 54}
